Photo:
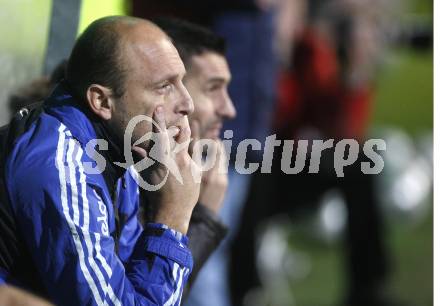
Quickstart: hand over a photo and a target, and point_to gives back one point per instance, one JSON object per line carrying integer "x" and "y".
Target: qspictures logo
{"x": 346, "y": 153}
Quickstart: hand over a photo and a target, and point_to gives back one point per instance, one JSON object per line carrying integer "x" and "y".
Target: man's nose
{"x": 185, "y": 105}
{"x": 226, "y": 108}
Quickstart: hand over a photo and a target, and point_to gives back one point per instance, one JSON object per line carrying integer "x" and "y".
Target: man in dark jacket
{"x": 207, "y": 80}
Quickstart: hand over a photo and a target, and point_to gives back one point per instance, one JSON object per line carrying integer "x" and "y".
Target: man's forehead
{"x": 165, "y": 62}
{"x": 157, "y": 57}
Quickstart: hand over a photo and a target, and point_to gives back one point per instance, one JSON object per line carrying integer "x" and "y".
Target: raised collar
{"x": 85, "y": 126}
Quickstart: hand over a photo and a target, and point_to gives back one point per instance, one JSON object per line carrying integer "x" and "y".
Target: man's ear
{"x": 100, "y": 100}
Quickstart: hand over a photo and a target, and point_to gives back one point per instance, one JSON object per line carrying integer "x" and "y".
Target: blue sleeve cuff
{"x": 166, "y": 242}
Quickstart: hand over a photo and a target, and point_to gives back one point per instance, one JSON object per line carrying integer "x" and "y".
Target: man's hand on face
{"x": 214, "y": 181}
{"x": 174, "y": 201}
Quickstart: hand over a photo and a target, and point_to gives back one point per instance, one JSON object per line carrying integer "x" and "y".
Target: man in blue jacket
{"x": 80, "y": 242}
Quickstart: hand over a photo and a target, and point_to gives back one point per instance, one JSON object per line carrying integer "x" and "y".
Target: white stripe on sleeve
{"x": 64, "y": 203}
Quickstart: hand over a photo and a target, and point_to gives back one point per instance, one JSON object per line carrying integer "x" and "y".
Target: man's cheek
{"x": 204, "y": 112}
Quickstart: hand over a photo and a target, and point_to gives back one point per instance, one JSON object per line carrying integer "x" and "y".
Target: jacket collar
{"x": 85, "y": 126}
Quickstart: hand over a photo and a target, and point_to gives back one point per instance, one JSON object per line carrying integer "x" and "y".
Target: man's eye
{"x": 214, "y": 87}
{"x": 165, "y": 88}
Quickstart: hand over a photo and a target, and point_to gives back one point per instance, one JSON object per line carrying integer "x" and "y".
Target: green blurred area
{"x": 404, "y": 95}
{"x": 94, "y": 9}
{"x": 22, "y": 45}
{"x": 25, "y": 27}
{"x": 424, "y": 7}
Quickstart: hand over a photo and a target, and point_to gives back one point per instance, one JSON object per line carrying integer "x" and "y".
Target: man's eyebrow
{"x": 168, "y": 77}
{"x": 219, "y": 80}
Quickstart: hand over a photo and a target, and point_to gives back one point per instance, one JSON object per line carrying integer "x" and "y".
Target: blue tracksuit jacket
{"x": 67, "y": 219}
